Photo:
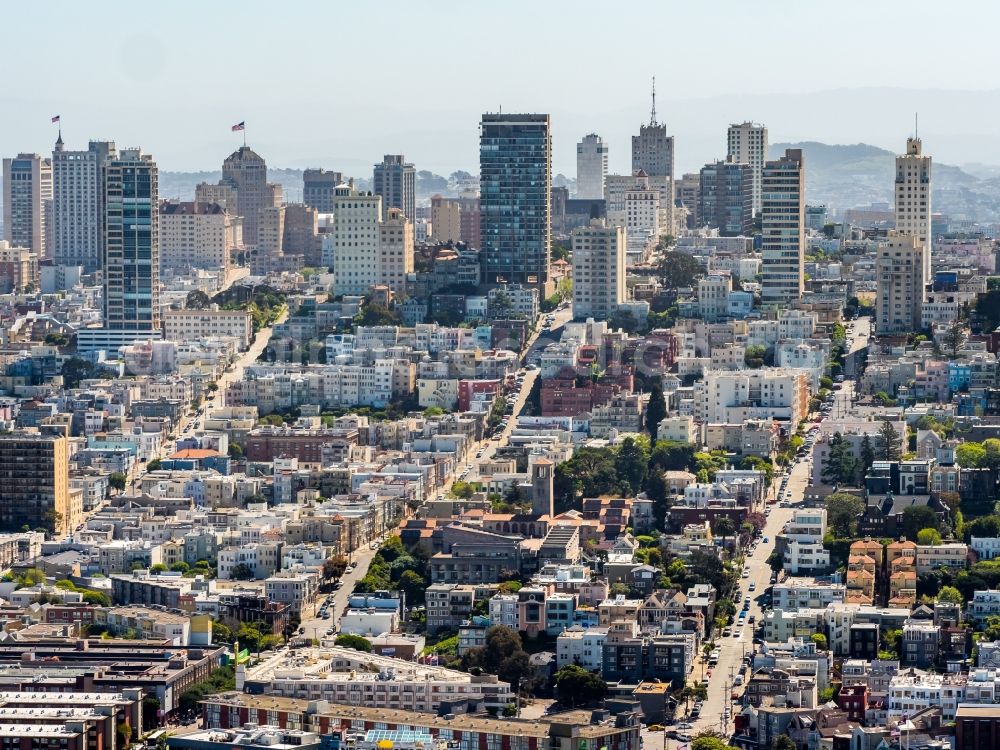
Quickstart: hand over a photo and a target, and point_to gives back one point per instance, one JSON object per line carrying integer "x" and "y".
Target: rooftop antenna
{"x": 916, "y": 125}
{"x": 652, "y": 112}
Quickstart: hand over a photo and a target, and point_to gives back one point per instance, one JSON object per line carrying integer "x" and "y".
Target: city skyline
{"x": 289, "y": 107}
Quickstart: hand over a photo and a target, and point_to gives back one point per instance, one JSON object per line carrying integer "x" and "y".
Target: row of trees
{"x": 842, "y": 467}
{"x": 395, "y": 568}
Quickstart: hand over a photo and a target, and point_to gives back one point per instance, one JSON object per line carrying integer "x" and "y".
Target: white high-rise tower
{"x": 591, "y": 167}
{"x": 746, "y": 143}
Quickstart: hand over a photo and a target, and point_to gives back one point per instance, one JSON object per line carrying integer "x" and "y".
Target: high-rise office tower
{"x": 27, "y": 202}
{"x": 598, "y": 270}
{"x": 246, "y": 172}
{"x": 396, "y": 182}
{"x": 725, "y": 197}
{"x": 302, "y": 233}
{"x": 901, "y": 289}
{"x": 515, "y": 178}
{"x": 653, "y": 149}
{"x": 746, "y": 143}
{"x": 132, "y": 245}
{"x": 318, "y": 187}
{"x": 34, "y": 474}
{"x": 783, "y": 222}
{"x": 591, "y": 167}
{"x": 913, "y": 199}
{"x": 78, "y": 204}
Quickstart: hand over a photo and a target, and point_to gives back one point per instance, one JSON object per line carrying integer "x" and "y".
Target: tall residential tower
{"x": 913, "y": 199}
{"x": 783, "y": 222}
{"x": 78, "y": 204}
{"x": 396, "y": 181}
{"x": 132, "y": 248}
{"x": 27, "y": 202}
{"x": 746, "y": 143}
{"x": 515, "y": 174}
{"x": 591, "y": 167}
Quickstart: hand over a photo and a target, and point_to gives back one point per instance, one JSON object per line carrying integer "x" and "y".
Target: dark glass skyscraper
{"x": 725, "y": 198}
{"x": 515, "y": 178}
{"x": 132, "y": 244}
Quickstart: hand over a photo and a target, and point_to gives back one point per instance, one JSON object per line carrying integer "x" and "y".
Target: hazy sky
{"x": 337, "y": 84}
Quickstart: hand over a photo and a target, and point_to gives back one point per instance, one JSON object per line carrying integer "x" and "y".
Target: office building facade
{"x": 78, "y": 204}
{"x": 515, "y": 164}
{"x": 319, "y": 187}
{"x": 591, "y": 167}
{"x": 783, "y": 224}
{"x": 132, "y": 244}
{"x": 245, "y": 172}
{"x": 746, "y": 143}
{"x": 27, "y": 202}
{"x": 396, "y": 182}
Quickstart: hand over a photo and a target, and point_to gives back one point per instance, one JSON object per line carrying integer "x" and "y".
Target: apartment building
{"x": 190, "y": 324}
{"x": 198, "y": 235}
{"x": 598, "y": 270}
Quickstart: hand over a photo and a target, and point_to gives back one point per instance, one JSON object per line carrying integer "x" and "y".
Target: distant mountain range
{"x": 848, "y": 176}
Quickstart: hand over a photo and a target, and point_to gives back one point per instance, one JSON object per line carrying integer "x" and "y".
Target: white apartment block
{"x": 342, "y": 675}
{"x": 901, "y": 286}
{"x": 809, "y": 356}
{"x": 797, "y": 324}
{"x": 591, "y": 167}
{"x": 678, "y": 429}
{"x": 985, "y": 603}
{"x": 913, "y": 200}
{"x": 805, "y": 557}
{"x": 724, "y": 397}
{"x": 985, "y": 547}
{"x": 77, "y": 221}
{"x": 598, "y": 270}
{"x": 198, "y": 235}
{"x": 909, "y": 694}
{"x": 395, "y": 250}
{"x": 582, "y": 646}
{"x": 783, "y": 224}
{"x": 953, "y": 555}
{"x": 355, "y": 240}
{"x": 806, "y": 593}
{"x": 27, "y": 202}
{"x": 616, "y": 187}
{"x": 642, "y": 222}
{"x": 746, "y": 143}
{"x": 187, "y": 325}
{"x": 262, "y": 558}
{"x": 713, "y": 296}
{"x": 294, "y": 589}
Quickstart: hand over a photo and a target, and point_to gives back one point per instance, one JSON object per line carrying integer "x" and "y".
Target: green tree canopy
{"x": 888, "y": 444}
{"x": 840, "y": 466}
{"x": 656, "y": 410}
{"x": 578, "y": 685}
{"x": 678, "y": 269}
{"x": 950, "y": 594}
{"x": 917, "y": 518}
{"x": 929, "y": 537}
{"x": 357, "y": 642}
{"x": 842, "y": 512}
